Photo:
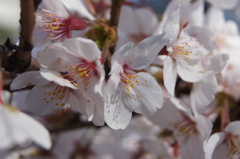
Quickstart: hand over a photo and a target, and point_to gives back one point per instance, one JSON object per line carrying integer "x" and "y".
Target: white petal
{"x": 171, "y": 26}
{"x": 83, "y": 48}
{"x": 78, "y": 101}
{"x": 191, "y": 147}
{"x": 204, "y": 91}
{"x": 114, "y": 79}
{"x": 167, "y": 115}
{"x": 128, "y": 21}
{"x": 19, "y": 129}
{"x": 27, "y": 79}
{"x": 218, "y": 62}
{"x": 54, "y": 6}
{"x": 215, "y": 19}
{"x": 170, "y": 75}
{"x": 117, "y": 116}
{"x": 56, "y": 77}
{"x": 147, "y": 95}
{"x": 204, "y": 36}
{"x": 216, "y": 148}
{"x": 188, "y": 73}
{"x": 120, "y": 55}
{"x": 233, "y": 127}
{"x": 148, "y": 20}
{"x": 204, "y": 126}
{"x": 144, "y": 53}
{"x": 76, "y": 7}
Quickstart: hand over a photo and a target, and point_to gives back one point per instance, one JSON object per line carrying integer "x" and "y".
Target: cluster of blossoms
{"x": 191, "y": 48}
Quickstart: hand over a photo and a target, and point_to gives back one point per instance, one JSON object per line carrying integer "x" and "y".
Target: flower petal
{"x": 117, "y": 116}
{"x": 144, "y": 53}
{"x": 19, "y": 128}
{"x": 233, "y": 127}
{"x": 188, "y": 73}
{"x": 27, "y": 79}
{"x": 121, "y": 54}
{"x": 171, "y": 26}
{"x": 204, "y": 91}
{"x": 146, "y": 97}
{"x": 56, "y": 77}
{"x": 83, "y": 48}
{"x": 214, "y": 145}
{"x": 170, "y": 75}
{"x": 76, "y": 7}
{"x": 218, "y": 62}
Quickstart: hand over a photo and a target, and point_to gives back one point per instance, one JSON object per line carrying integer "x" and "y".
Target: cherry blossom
{"x": 58, "y": 26}
{"x": 227, "y": 39}
{"x": 128, "y": 90}
{"x": 190, "y": 129}
{"x": 20, "y": 129}
{"x": 185, "y": 48}
{"x": 72, "y": 77}
{"x": 224, "y": 145}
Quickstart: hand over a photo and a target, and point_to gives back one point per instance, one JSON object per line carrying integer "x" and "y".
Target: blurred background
{"x": 9, "y": 19}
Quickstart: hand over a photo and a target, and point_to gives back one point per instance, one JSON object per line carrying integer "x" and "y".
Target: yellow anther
{"x": 132, "y": 85}
{"x": 138, "y": 95}
{"x": 73, "y": 66}
{"x": 86, "y": 75}
{"x": 62, "y": 104}
{"x": 81, "y": 74}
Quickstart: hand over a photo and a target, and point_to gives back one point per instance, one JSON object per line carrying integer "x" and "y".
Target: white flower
{"x": 226, "y": 144}
{"x": 72, "y": 77}
{"x": 20, "y": 129}
{"x": 128, "y": 90}
{"x": 204, "y": 91}
{"x": 189, "y": 129}
{"x": 227, "y": 38}
{"x": 58, "y": 23}
{"x": 185, "y": 48}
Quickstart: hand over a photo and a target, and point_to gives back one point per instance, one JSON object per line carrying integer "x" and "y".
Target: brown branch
{"x": 73, "y": 126}
{"x": 18, "y": 58}
{"x": 115, "y": 11}
{"x": 27, "y": 23}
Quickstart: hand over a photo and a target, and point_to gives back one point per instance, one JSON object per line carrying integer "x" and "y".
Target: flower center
{"x": 57, "y": 95}
{"x": 130, "y": 80}
{"x": 186, "y": 127}
{"x": 234, "y": 145}
{"x": 80, "y": 74}
{"x": 57, "y": 27}
{"x": 185, "y": 49}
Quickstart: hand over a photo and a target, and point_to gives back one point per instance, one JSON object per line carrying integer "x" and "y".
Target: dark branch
{"x": 16, "y": 58}
{"x": 115, "y": 11}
